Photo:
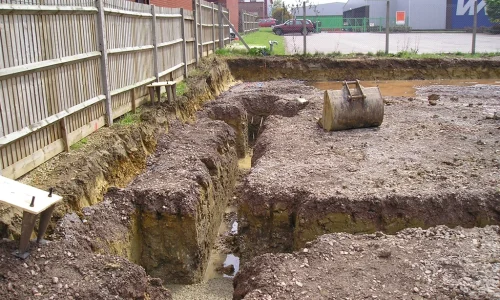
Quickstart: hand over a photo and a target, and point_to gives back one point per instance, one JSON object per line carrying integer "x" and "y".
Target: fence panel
{"x": 45, "y": 58}
{"x": 51, "y": 90}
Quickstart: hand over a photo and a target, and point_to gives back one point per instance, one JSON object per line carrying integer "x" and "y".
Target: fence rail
{"x": 66, "y": 71}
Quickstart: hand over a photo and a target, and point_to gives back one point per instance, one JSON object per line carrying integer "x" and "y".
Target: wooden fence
{"x": 248, "y": 22}
{"x": 69, "y": 67}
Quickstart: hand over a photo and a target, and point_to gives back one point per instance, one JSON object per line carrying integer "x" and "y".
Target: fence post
{"x": 304, "y": 28}
{"x": 221, "y": 27}
{"x": 183, "y": 35}
{"x": 196, "y": 33}
{"x": 101, "y": 33}
{"x": 474, "y": 29}
{"x": 200, "y": 15}
{"x": 155, "y": 45}
{"x": 387, "y": 14}
{"x": 213, "y": 27}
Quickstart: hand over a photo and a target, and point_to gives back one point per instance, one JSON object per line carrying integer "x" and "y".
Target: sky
{"x": 294, "y": 2}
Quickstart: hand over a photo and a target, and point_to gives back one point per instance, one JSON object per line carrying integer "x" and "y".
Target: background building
{"x": 262, "y": 8}
{"x": 330, "y": 15}
{"x": 420, "y": 14}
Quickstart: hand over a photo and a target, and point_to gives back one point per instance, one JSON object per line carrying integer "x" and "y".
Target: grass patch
{"x": 255, "y": 40}
{"x": 180, "y": 88}
{"x": 402, "y": 54}
{"x": 130, "y": 118}
{"x": 79, "y": 144}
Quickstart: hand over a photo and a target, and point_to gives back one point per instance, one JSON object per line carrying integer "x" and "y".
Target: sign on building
{"x": 400, "y": 17}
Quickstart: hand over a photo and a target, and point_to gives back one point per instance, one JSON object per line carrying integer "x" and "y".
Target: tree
{"x": 281, "y": 14}
{"x": 493, "y": 10}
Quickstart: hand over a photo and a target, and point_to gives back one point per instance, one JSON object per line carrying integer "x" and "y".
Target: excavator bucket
{"x": 350, "y": 108}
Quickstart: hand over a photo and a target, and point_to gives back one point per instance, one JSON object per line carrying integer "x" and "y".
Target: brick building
{"x": 254, "y": 8}
{"x": 231, "y": 5}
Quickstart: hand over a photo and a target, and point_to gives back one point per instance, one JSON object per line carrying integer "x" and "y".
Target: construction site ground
{"x": 430, "y": 163}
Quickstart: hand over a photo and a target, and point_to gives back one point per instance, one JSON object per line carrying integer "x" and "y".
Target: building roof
{"x": 328, "y": 9}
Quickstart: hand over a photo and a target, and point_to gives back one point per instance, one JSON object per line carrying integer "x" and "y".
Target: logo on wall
{"x": 467, "y": 7}
{"x": 462, "y": 14}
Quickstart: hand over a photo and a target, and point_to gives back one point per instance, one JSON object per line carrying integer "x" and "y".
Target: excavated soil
{"x": 68, "y": 269}
{"x": 438, "y": 263}
{"x": 149, "y": 198}
{"x": 328, "y": 69}
{"x": 426, "y": 165}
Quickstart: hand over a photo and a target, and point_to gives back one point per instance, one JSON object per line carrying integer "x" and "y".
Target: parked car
{"x": 269, "y": 22}
{"x": 294, "y": 26}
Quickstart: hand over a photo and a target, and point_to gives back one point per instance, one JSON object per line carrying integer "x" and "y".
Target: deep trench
{"x": 277, "y": 227}
{"x": 280, "y": 225}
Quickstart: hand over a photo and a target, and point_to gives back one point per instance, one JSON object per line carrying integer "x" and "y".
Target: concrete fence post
{"x": 183, "y": 35}
{"x": 196, "y": 33}
{"x": 221, "y": 27}
{"x": 474, "y": 29}
{"x": 304, "y": 27}
{"x": 155, "y": 43}
{"x": 101, "y": 33}
{"x": 214, "y": 46}
{"x": 387, "y": 25}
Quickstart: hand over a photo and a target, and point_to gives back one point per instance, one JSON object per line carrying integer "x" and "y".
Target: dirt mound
{"x": 64, "y": 270}
{"x": 183, "y": 192}
{"x": 439, "y": 263}
{"x": 425, "y": 166}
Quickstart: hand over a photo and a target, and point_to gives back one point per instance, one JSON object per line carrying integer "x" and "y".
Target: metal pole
{"x": 474, "y": 28}
{"x": 304, "y": 28}
{"x": 388, "y": 12}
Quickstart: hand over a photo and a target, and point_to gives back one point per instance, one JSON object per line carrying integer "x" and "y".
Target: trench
{"x": 229, "y": 203}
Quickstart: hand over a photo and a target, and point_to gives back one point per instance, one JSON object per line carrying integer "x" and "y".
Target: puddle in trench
{"x": 406, "y": 88}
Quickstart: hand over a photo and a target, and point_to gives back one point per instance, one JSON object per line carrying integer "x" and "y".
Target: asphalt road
{"x": 350, "y": 42}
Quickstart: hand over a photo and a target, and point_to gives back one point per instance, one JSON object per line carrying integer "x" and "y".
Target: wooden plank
{"x": 20, "y": 195}
{"x": 171, "y": 69}
{"x": 130, "y": 49}
{"x": 23, "y": 166}
{"x": 7, "y": 139}
{"x": 45, "y": 65}
{"x": 121, "y": 12}
{"x": 169, "y": 43}
{"x": 132, "y": 86}
{"x": 6, "y": 9}
{"x": 169, "y": 15}
{"x": 86, "y": 130}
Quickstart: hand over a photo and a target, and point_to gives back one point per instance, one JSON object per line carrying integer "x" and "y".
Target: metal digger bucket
{"x": 352, "y": 108}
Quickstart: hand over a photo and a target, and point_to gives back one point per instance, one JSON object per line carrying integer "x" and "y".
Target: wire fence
{"x": 397, "y": 26}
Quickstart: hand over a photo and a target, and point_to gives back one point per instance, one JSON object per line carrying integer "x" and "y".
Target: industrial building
{"x": 418, "y": 14}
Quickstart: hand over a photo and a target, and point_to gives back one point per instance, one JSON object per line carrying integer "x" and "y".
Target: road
{"x": 350, "y": 42}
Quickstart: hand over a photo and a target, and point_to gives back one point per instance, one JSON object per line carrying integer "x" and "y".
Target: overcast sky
{"x": 294, "y": 2}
